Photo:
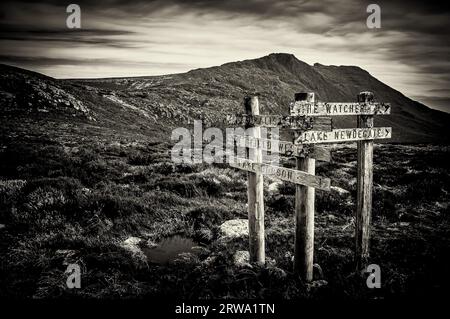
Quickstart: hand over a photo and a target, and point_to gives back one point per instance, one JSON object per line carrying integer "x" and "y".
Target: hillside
{"x": 147, "y": 103}
{"x": 86, "y": 177}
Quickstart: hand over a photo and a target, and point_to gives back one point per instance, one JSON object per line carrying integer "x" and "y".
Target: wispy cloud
{"x": 136, "y": 37}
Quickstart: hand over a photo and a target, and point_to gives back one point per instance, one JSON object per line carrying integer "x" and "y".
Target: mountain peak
{"x": 282, "y": 57}
{"x": 280, "y": 63}
{"x": 285, "y": 59}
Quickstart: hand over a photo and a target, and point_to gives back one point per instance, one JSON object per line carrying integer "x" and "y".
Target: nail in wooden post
{"x": 304, "y": 214}
{"x": 255, "y": 192}
{"x": 364, "y": 188}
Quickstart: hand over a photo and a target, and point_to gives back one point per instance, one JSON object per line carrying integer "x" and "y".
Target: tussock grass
{"x": 64, "y": 204}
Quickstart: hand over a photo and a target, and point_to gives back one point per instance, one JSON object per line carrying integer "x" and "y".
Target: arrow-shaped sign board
{"x": 280, "y": 147}
{"x": 329, "y": 109}
{"x": 344, "y": 135}
{"x": 285, "y": 174}
{"x": 286, "y": 121}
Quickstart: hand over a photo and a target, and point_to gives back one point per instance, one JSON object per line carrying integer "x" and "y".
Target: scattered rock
{"x": 241, "y": 259}
{"x": 273, "y": 187}
{"x": 340, "y": 191}
{"x": 132, "y": 245}
{"x": 404, "y": 224}
{"x": 86, "y": 191}
{"x": 131, "y": 242}
{"x": 43, "y": 95}
{"x": 331, "y": 217}
{"x": 234, "y": 228}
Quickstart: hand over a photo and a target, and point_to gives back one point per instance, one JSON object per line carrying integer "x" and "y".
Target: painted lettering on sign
{"x": 286, "y": 121}
{"x": 300, "y": 108}
{"x": 286, "y": 174}
{"x": 344, "y": 135}
{"x": 280, "y": 147}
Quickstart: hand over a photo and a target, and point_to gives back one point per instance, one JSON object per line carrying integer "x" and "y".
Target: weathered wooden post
{"x": 304, "y": 213}
{"x": 255, "y": 191}
{"x": 364, "y": 187}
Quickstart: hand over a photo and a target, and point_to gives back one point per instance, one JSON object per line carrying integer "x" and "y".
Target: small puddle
{"x": 169, "y": 248}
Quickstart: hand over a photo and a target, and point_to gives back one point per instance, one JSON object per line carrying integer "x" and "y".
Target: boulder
{"x": 234, "y": 228}
{"x": 132, "y": 245}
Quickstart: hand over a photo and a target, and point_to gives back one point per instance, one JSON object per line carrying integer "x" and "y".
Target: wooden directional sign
{"x": 280, "y": 147}
{"x": 312, "y": 124}
{"x": 344, "y": 135}
{"x": 328, "y": 109}
{"x": 285, "y": 174}
{"x": 286, "y": 121}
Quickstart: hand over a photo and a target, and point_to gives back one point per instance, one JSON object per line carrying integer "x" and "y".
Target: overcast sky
{"x": 135, "y": 37}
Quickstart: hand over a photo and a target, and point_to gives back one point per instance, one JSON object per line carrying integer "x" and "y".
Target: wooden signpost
{"x": 304, "y": 215}
{"x": 312, "y": 125}
{"x": 364, "y": 182}
{"x": 255, "y": 191}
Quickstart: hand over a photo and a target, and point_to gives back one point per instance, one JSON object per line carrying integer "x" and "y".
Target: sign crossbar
{"x": 344, "y": 135}
{"x": 280, "y": 147}
{"x": 283, "y": 173}
{"x": 284, "y": 121}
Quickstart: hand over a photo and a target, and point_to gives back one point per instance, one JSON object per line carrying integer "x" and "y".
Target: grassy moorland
{"x": 75, "y": 193}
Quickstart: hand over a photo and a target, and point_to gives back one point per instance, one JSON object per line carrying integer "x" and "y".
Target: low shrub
{"x": 332, "y": 202}
{"x": 281, "y": 204}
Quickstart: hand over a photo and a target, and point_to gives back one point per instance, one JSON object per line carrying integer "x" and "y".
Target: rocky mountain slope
{"x": 212, "y": 93}
{"x": 26, "y": 91}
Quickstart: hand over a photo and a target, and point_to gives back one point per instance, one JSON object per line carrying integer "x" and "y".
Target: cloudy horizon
{"x": 134, "y": 38}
